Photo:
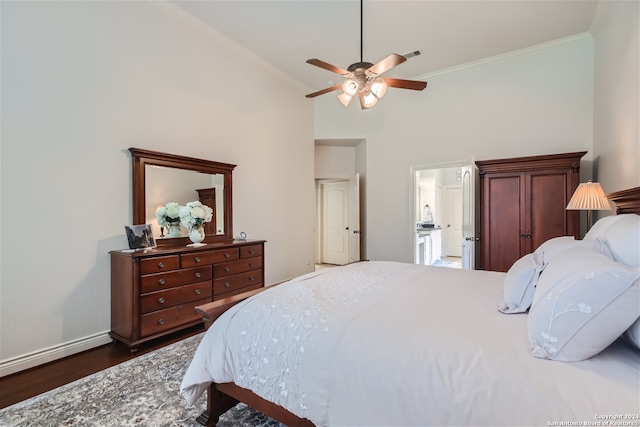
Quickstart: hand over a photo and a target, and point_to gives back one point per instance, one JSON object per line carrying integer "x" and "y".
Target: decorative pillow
{"x": 520, "y": 283}
{"x": 623, "y": 239}
{"x": 583, "y": 302}
{"x": 632, "y": 335}
{"x": 601, "y": 225}
{"x": 559, "y": 244}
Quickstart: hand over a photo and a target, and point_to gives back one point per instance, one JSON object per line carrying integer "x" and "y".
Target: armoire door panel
{"x": 546, "y": 207}
{"x": 502, "y": 219}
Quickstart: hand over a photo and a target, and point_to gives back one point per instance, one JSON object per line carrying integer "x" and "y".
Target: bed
{"x": 551, "y": 342}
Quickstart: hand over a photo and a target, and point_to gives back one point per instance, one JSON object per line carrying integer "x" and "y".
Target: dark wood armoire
{"x": 207, "y": 197}
{"x": 522, "y": 204}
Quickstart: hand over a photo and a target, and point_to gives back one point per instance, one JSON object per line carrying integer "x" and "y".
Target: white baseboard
{"x": 20, "y": 363}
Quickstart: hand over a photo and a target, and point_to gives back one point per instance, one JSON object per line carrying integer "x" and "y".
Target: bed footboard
{"x": 222, "y": 397}
{"x": 211, "y": 311}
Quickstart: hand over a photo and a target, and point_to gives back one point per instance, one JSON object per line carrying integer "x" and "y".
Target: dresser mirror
{"x": 160, "y": 178}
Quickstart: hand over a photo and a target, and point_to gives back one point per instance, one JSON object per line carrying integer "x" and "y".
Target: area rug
{"x": 143, "y": 391}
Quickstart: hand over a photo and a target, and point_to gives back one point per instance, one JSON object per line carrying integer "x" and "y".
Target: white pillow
{"x": 520, "y": 283}
{"x": 556, "y": 245}
{"x": 623, "y": 239}
{"x": 583, "y": 302}
{"x": 601, "y": 225}
{"x": 632, "y": 335}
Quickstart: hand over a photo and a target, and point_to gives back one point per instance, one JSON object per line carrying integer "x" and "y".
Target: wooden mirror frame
{"x": 141, "y": 158}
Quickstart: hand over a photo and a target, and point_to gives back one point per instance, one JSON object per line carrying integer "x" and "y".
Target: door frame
{"x": 411, "y": 227}
{"x": 319, "y": 216}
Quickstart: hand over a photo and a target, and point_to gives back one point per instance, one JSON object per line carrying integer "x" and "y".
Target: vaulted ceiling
{"x": 448, "y": 33}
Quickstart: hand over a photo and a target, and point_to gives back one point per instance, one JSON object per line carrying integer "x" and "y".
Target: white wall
{"x": 616, "y": 142}
{"x": 536, "y": 102}
{"x": 82, "y": 82}
{"x": 334, "y": 162}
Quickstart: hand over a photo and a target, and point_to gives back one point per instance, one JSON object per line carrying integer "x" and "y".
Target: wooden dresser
{"x": 154, "y": 292}
{"x": 522, "y": 204}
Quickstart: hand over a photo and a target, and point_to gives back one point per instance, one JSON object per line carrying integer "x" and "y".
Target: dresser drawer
{"x": 250, "y": 251}
{"x": 196, "y": 259}
{"x": 162, "y": 299}
{"x": 159, "y": 263}
{"x": 235, "y": 267}
{"x": 236, "y": 282}
{"x": 160, "y": 281}
{"x": 237, "y": 291}
{"x": 222, "y": 255}
{"x": 162, "y": 320}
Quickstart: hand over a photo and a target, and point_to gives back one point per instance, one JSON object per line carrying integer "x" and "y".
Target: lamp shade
{"x": 345, "y": 99}
{"x": 589, "y": 196}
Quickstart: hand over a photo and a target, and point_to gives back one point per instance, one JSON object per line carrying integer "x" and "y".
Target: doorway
{"x": 442, "y": 210}
{"x": 338, "y": 221}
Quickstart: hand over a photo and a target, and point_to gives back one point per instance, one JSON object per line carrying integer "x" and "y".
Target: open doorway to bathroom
{"x": 444, "y": 216}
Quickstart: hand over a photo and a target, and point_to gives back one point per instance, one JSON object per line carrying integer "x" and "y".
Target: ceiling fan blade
{"x": 387, "y": 63}
{"x": 327, "y": 66}
{"x": 412, "y": 54}
{"x": 323, "y": 91}
{"x": 405, "y": 84}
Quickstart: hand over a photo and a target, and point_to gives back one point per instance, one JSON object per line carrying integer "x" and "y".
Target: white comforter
{"x": 383, "y": 343}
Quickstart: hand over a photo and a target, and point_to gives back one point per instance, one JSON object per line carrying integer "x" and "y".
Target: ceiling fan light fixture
{"x": 369, "y": 99}
{"x": 362, "y": 78}
{"x": 345, "y": 99}
{"x": 379, "y": 88}
{"x": 350, "y": 87}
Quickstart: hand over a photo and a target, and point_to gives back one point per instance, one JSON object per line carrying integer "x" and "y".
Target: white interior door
{"x": 452, "y": 221}
{"x": 468, "y": 217}
{"x": 354, "y": 218}
{"x": 335, "y": 219}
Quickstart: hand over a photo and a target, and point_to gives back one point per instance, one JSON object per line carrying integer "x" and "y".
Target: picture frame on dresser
{"x": 140, "y": 236}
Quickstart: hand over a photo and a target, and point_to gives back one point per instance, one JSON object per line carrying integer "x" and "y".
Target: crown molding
{"x": 211, "y": 33}
{"x": 527, "y": 50}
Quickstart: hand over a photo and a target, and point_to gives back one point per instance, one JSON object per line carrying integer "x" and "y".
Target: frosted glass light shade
{"x": 350, "y": 87}
{"x": 370, "y": 100}
{"x": 589, "y": 196}
{"x": 379, "y": 88}
{"x": 345, "y": 99}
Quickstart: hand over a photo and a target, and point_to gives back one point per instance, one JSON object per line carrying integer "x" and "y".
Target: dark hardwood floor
{"x": 31, "y": 382}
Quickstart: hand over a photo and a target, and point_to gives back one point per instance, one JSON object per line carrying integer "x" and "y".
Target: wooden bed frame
{"x": 222, "y": 397}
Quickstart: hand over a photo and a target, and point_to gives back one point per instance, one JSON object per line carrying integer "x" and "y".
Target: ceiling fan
{"x": 363, "y": 78}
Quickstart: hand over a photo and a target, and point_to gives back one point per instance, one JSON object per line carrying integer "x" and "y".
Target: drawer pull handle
{"x": 161, "y": 300}
{"x": 197, "y": 259}
{"x": 251, "y": 264}
{"x": 162, "y": 282}
{"x": 252, "y": 278}
{"x": 160, "y": 321}
{"x": 227, "y": 269}
{"x": 197, "y": 291}
{"x": 227, "y": 255}
{"x": 227, "y": 284}
{"x": 251, "y": 251}
{"x": 198, "y": 274}
{"x": 160, "y": 264}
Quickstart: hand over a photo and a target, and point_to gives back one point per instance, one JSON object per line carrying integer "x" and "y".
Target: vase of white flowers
{"x": 192, "y": 216}
{"x": 196, "y": 235}
{"x": 169, "y": 217}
